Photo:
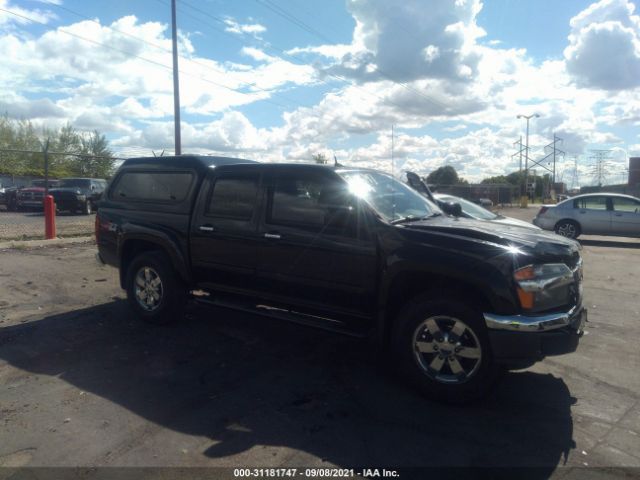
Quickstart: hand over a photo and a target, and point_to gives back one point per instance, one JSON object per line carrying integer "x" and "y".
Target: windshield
{"x": 470, "y": 208}
{"x": 392, "y": 199}
{"x": 74, "y": 183}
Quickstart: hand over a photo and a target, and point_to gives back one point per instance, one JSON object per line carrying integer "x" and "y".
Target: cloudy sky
{"x": 281, "y": 80}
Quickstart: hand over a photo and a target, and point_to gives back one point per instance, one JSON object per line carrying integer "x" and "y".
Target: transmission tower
{"x": 598, "y": 168}
{"x": 575, "y": 181}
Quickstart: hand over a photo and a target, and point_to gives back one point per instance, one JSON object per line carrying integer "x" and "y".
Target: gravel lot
{"x": 83, "y": 383}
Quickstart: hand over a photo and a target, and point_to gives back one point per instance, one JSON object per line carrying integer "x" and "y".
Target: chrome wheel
{"x": 447, "y": 350}
{"x": 567, "y": 230}
{"x": 148, "y": 288}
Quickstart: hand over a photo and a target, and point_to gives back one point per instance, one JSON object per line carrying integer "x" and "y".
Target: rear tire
{"x": 568, "y": 228}
{"x": 154, "y": 290}
{"x": 441, "y": 346}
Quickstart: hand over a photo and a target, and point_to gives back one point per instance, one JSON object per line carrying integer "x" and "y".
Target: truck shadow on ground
{"x": 243, "y": 380}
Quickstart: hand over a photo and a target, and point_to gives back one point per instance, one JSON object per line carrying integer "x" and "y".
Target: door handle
{"x": 206, "y": 228}
{"x": 275, "y": 236}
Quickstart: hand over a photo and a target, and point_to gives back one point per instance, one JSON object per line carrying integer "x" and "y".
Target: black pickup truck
{"x": 78, "y": 195}
{"x": 345, "y": 249}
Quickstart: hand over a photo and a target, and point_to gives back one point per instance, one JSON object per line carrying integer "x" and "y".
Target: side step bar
{"x": 322, "y": 323}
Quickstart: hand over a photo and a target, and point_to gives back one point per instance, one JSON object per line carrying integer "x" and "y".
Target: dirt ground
{"x": 83, "y": 383}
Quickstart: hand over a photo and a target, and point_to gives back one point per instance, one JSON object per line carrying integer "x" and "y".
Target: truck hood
{"x": 544, "y": 246}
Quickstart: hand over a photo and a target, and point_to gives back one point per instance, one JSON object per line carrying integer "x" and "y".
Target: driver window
{"x": 308, "y": 201}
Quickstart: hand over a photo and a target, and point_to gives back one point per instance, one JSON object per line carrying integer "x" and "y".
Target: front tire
{"x": 87, "y": 208}
{"x": 154, "y": 290}
{"x": 567, "y": 228}
{"x": 442, "y": 347}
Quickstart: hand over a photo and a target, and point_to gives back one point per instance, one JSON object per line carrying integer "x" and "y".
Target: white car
{"x": 472, "y": 210}
{"x": 592, "y": 214}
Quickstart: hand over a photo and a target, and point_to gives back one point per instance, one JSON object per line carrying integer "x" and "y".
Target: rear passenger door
{"x": 224, "y": 238}
{"x": 316, "y": 249}
{"x": 594, "y": 214}
{"x": 626, "y": 217}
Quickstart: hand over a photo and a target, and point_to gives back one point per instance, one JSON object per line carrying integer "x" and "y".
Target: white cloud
{"x": 251, "y": 28}
{"x": 23, "y": 108}
{"x": 604, "y": 46}
{"x": 96, "y": 67}
{"x": 23, "y": 16}
{"x": 455, "y": 128}
{"x": 406, "y": 41}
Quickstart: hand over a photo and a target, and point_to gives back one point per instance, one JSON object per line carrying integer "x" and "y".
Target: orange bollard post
{"x": 49, "y": 218}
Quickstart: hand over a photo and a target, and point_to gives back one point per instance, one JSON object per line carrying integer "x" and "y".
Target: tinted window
{"x": 157, "y": 186}
{"x": 305, "y": 200}
{"x": 591, "y": 203}
{"x": 625, "y": 205}
{"x": 233, "y": 197}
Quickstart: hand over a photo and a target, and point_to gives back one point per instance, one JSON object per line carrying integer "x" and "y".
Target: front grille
{"x": 31, "y": 196}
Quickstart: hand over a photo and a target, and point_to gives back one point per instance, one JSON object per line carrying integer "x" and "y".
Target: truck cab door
{"x": 224, "y": 239}
{"x": 316, "y": 253}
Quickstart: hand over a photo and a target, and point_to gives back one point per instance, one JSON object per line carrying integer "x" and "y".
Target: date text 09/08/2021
{"x": 314, "y": 473}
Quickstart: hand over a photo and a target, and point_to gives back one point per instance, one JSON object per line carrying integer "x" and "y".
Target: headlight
{"x": 542, "y": 287}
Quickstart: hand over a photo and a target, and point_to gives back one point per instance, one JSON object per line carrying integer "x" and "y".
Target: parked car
{"x": 31, "y": 197}
{"x": 349, "y": 250}
{"x": 460, "y": 207}
{"x": 78, "y": 194}
{"x": 471, "y": 210}
{"x": 592, "y": 214}
{"x": 484, "y": 202}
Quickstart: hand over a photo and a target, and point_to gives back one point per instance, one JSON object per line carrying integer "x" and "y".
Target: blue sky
{"x": 278, "y": 80}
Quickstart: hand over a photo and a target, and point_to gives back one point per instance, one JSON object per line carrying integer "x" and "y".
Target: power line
{"x": 133, "y": 55}
{"x": 270, "y": 46}
{"x": 304, "y": 26}
{"x": 188, "y": 59}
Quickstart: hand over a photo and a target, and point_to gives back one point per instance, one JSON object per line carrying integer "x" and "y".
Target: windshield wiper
{"x": 412, "y": 218}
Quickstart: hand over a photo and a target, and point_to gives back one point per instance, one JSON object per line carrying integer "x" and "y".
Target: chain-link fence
{"x": 505, "y": 195}
{"x": 22, "y": 196}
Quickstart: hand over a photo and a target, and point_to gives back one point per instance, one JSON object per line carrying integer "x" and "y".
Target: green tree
{"x": 445, "y": 175}
{"x": 320, "y": 158}
{"x": 73, "y": 153}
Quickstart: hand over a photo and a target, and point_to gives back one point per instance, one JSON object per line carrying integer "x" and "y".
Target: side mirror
{"x": 451, "y": 208}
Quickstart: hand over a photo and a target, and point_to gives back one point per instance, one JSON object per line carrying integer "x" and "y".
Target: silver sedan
{"x": 592, "y": 214}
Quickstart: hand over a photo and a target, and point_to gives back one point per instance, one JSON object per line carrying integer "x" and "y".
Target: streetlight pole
{"x": 526, "y": 151}
{"x": 176, "y": 83}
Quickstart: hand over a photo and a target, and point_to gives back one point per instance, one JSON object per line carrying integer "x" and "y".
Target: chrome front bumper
{"x": 576, "y": 318}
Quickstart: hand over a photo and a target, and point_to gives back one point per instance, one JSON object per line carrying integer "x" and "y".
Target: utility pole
{"x": 176, "y": 82}
{"x": 392, "y": 160}
{"x": 45, "y": 153}
{"x": 520, "y": 144}
{"x": 526, "y": 151}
